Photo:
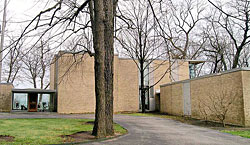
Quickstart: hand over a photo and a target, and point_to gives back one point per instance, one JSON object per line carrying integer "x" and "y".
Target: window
{"x": 20, "y": 101}
{"x": 192, "y": 71}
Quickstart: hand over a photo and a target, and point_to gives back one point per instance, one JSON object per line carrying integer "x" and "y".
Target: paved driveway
{"x": 153, "y": 131}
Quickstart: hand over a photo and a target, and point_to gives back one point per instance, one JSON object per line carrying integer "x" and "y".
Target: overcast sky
{"x": 22, "y": 10}
{"x": 19, "y": 11}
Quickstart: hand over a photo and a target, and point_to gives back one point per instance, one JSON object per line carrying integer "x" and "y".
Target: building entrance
{"x": 32, "y": 102}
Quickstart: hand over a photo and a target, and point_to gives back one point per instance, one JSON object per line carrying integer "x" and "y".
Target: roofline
{"x": 6, "y": 84}
{"x": 209, "y": 75}
{"x": 62, "y": 52}
{"x": 196, "y": 61}
{"x": 42, "y": 91}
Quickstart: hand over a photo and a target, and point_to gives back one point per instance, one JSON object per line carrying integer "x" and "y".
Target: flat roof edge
{"x": 62, "y": 52}
{"x": 33, "y": 91}
{"x": 6, "y": 84}
{"x": 208, "y": 75}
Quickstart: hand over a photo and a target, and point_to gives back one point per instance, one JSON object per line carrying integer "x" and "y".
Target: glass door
{"x": 32, "y": 102}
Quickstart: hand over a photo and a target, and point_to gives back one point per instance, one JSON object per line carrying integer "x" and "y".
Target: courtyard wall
{"x": 207, "y": 96}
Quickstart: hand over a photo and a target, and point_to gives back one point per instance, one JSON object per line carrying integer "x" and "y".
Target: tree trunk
{"x": 236, "y": 58}
{"x": 34, "y": 82}
{"x": 40, "y": 99}
{"x": 215, "y": 65}
{"x": 99, "y": 129}
{"x": 41, "y": 81}
{"x": 223, "y": 62}
{"x": 109, "y": 59}
{"x": 143, "y": 103}
{"x": 223, "y": 123}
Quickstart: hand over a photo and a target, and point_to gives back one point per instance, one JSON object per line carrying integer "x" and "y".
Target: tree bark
{"x": 109, "y": 59}
{"x": 143, "y": 103}
{"x": 236, "y": 58}
{"x": 99, "y": 129}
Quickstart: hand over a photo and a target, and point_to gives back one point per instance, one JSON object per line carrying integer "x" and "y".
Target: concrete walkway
{"x": 152, "y": 131}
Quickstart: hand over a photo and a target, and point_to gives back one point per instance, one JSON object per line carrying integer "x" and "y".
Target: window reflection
{"x": 20, "y": 101}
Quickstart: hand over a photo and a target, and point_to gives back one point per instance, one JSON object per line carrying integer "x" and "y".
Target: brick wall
{"x": 76, "y": 93}
{"x": 5, "y": 97}
{"x": 76, "y": 90}
{"x": 127, "y": 98}
{"x": 76, "y": 84}
{"x": 208, "y": 91}
{"x": 246, "y": 95}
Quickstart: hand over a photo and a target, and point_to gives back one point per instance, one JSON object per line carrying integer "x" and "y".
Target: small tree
{"x": 203, "y": 110}
{"x": 218, "y": 105}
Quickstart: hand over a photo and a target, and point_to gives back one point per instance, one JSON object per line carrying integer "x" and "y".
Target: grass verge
{"x": 44, "y": 131}
{"x": 242, "y": 133}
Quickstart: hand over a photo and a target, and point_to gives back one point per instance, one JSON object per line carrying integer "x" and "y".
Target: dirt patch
{"x": 88, "y": 123}
{"x": 6, "y": 138}
{"x": 82, "y": 136}
{"x": 202, "y": 123}
{"x": 78, "y": 137}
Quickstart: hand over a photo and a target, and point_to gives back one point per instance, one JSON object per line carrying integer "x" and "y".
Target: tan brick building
{"x": 72, "y": 76}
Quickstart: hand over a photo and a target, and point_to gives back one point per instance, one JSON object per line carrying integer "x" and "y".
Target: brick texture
{"x": 76, "y": 82}
{"x": 5, "y": 97}
{"x": 209, "y": 91}
{"x": 246, "y": 96}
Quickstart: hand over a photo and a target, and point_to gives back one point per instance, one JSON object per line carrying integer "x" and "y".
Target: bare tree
{"x": 65, "y": 19}
{"x": 235, "y": 20}
{"x": 140, "y": 42}
{"x": 218, "y": 105}
{"x": 36, "y": 64}
{"x": 244, "y": 61}
{"x": 203, "y": 110}
{"x": 217, "y": 47}
{"x": 178, "y": 23}
{"x": 12, "y": 62}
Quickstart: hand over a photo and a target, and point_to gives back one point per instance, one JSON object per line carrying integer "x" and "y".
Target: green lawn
{"x": 242, "y": 133}
{"x": 44, "y": 131}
